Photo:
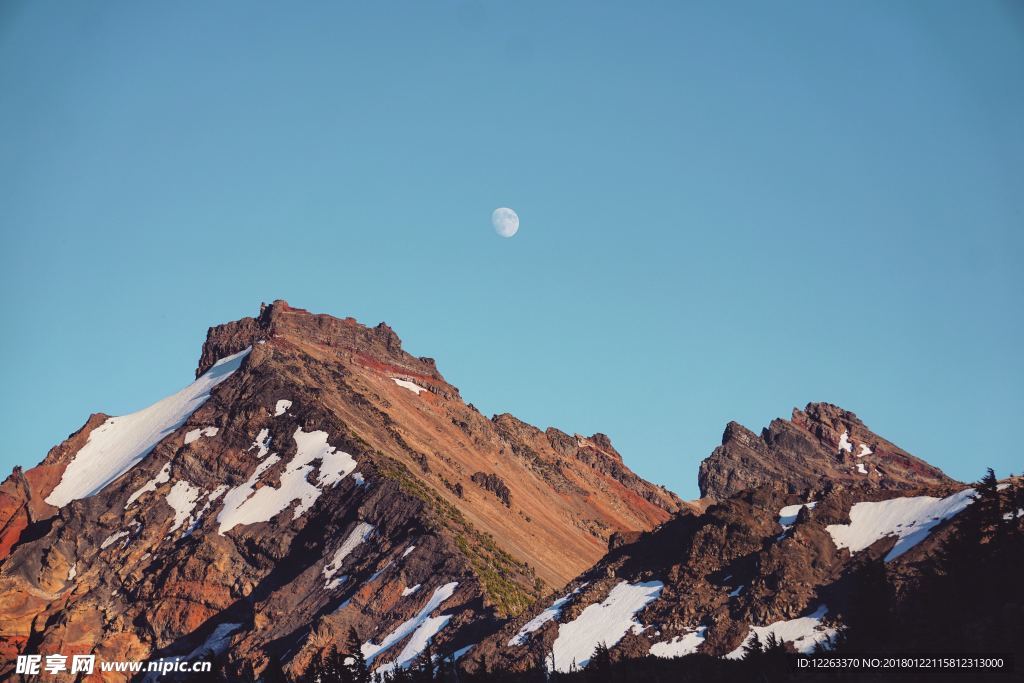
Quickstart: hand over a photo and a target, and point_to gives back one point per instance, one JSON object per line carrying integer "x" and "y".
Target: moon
{"x": 505, "y": 222}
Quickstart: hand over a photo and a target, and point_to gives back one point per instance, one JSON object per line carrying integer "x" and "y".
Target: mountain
{"x": 821, "y": 445}
{"x": 790, "y": 518}
{"x": 314, "y": 478}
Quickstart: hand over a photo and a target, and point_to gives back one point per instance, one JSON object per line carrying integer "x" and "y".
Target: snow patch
{"x": 112, "y": 539}
{"x": 736, "y": 591}
{"x": 214, "y": 495}
{"x": 864, "y": 450}
{"x": 120, "y": 443}
{"x": 230, "y": 515}
{"x": 680, "y": 646}
{"x": 844, "y": 442}
{"x": 358, "y": 478}
{"x": 910, "y": 520}
{"x": 214, "y": 646}
{"x": 358, "y": 535}
{"x": 194, "y": 434}
{"x": 182, "y": 498}
{"x": 606, "y": 623}
{"x": 861, "y": 468}
{"x": 162, "y": 477}
{"x": 73, "y": 572}
{"x": 461, "y": 652}
{"x": 406, "y": 384}
{"x": 217, "y": 643}
{"x": 803, "y": 632}
{"x": 335, "y": 465}
{"x": 379, "y": 572}
{"x": 262, "y": 443}
{"x": 423, "y": 628}
{"x": 406, "y": 592}
{"x": 550, "y": 613}
{"x": 282, "y": 407}
{"x": 788, "y": 514}
{"x": 408, "y": 550}
{"x": 262, "y": 505}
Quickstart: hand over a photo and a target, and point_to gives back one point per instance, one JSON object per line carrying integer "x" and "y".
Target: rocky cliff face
{"x": 790, "y": 516}
{"x": 759, "y": 562}
{"x": 315, "y": 477}
{"x": 821, "y": 445}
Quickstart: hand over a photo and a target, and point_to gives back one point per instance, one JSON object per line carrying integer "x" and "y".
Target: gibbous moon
{"x": 505, "y": 222}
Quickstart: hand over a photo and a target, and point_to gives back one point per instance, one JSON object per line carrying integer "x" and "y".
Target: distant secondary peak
{"x": 823, "y": 444}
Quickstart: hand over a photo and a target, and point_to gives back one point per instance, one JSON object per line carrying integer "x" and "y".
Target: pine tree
{"x": 423, "y": 668}
{"x": 600, "y": 661}
{"x": 447, "y": 670}
{"x": 274, "y": 672}
{"x": 314, "y": 673}
{"x": 988, "y": 507}
{"x": 753, "y": 649}
{"x": 1017, "y": 507}
{"x": 868, "y": 618}
{"x": 333, "y": 667}
{"x": 772, "y": 644}
{"x": 354, "y": 661}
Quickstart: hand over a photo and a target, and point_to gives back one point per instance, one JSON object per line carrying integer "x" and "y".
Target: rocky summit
{"x": 314, "y": 478}
{"x": 317, "y": 480}
{"x": 822, "y": 445}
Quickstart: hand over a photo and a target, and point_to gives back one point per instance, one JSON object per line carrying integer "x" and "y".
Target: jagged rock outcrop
{"x": 822, "y": 444}
{"x": 494, "y": 484}
{"x": 771, "y": 548}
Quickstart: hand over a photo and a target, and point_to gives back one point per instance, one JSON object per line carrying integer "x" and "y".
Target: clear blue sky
{"x": 728, "y": 209}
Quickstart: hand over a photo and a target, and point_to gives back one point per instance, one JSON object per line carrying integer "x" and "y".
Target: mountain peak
{"x": 304, "y": 437}
{"x": 321, "y": 334}
{"x": 822, "y": 444}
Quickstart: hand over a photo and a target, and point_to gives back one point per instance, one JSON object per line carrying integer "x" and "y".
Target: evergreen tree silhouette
{"x": 987, "y": 509}
{"x": 354, "y": 662}
{"x": 600, "y": 663}
{"x": 753, "y": 649}
{"x": 867, "y": 621}
{"x": 274, "y": 673}
{"x": 1017, "y": 507}
{"x": 423, "y": 667}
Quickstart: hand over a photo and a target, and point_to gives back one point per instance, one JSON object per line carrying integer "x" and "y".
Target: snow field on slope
{"x": 182, "y": 498}
{"x": 195, "y": 434}
{"x": 120, "y": 443}
{"x": 680, "y": 645}
{"x": 422, "y": 628}
{"x": 550, "y": 613}
{"x": 406, "y": 384}
{"x": 262, "y": 443}
{"x": 358, "y": 535}
{"x": 910, "y": 520}
{"x": 162, "y": 477}
{"x": 803, "y": 632}
{"x": 246, "y": 505}
{"x": 606, "y": 622}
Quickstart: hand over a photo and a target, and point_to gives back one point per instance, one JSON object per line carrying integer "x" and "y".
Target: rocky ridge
{"x": 772, "y": 550}
{"x": 324, "y": 480}
{"x": 318, "y": 478}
